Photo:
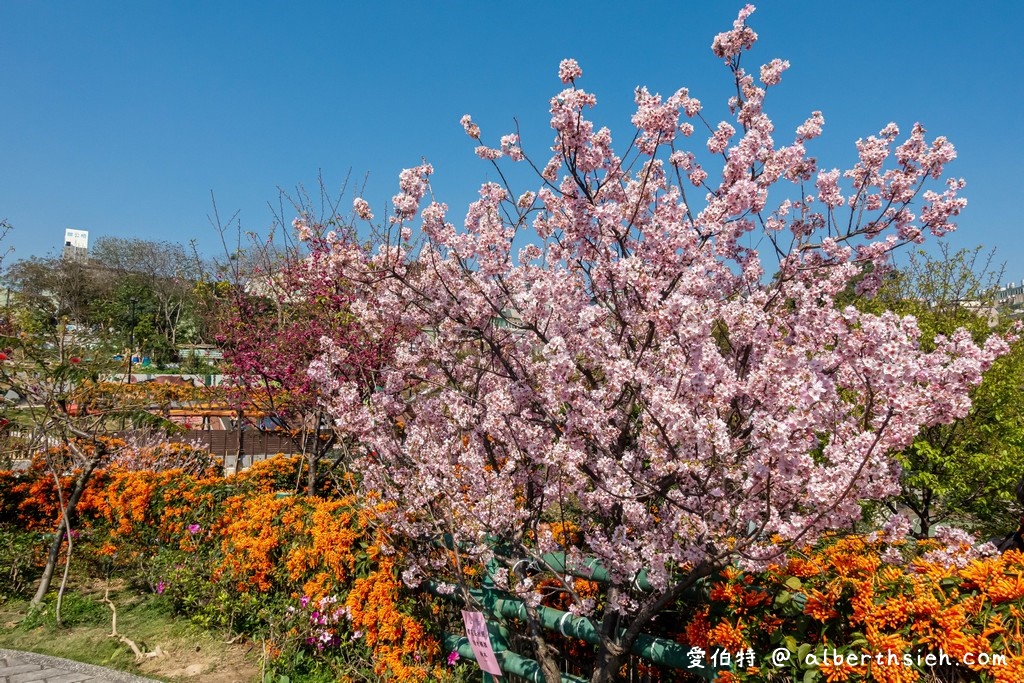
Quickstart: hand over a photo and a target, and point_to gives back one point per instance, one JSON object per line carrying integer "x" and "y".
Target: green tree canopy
{"x": 965, "y": 472}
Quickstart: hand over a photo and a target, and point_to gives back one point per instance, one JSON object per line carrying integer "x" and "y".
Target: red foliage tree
{"x": 275, "y": 325}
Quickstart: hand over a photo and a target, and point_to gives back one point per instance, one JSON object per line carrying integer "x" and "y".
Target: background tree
{"x": 161, "y": 277}
{"x": 49, "y": 370}
{"x": 50, "y": 294}
{"x": 207, "y": 298}
{"x": 964, "y": 472}
{"x": 57, "y": 346}
{"x": 152, "y": 293}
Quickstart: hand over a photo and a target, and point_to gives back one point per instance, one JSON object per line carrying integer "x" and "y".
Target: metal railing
{"x": 500, "y": 607}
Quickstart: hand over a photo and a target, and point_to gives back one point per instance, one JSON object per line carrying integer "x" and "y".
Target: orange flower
{"x": 835, "y": 671}
{"x": 728, "y": 636}
{"x": 821, "y": 605}
{"x": 1006, "y": 588}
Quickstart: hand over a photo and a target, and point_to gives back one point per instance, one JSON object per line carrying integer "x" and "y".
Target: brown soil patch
{"x": 230, "y": 664}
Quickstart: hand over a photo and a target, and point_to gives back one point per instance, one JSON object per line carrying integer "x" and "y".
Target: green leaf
{"x": 793, "y": 583}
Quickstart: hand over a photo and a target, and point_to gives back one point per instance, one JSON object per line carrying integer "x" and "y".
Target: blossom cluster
{"x": 323, "y": 619}
{"x": 843, "y": 596}
{"x": 608, "y": 342}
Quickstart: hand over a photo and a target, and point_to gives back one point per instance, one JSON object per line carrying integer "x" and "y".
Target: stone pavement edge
{"x": 28, "y": 667}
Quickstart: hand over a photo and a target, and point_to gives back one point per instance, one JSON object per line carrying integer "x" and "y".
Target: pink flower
{"x": 730, "y": 43}
{"x": 771, "y": 73}
{"x": 488, "y": 153}
{"x": 697, "y": 176}
{"x": 569, "y": 70}
{"x": 453, "y": 657}
{"x": 828, "y": 188}
{"x": 472, "y": 130}
{"x": 811, "y": 128}
{"x": 614, "y": 319}
{"x": 720, "y": 140}
{"x": 510, "y": 147}
{"x": 160, "y": 587}
{"x": 362, "y": 208}
{"x": 193, "y": 529}
{"x": 301, "y": 226}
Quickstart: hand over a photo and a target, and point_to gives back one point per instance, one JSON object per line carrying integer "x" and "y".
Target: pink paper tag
{"x": 476, "y": 632}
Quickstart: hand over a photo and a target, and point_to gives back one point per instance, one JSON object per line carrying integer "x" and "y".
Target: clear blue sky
{"x": 121, "y": 118}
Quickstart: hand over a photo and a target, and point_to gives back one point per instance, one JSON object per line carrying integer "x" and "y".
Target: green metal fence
{"x": 501, "y": 608}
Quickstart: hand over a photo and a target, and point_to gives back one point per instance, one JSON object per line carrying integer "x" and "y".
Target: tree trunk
{"x": 609, "y": 657}
{"x": 543, "y": 652}
{"x": 312, "y": 455}
{"x": 617, "y": 643}
{"x": 311, "y": 461}
{"x": 240, "y": 452}
{"x": 58, "y": 538}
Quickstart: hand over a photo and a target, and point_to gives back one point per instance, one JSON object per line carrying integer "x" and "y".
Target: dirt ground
{"x": 232, "y": 664}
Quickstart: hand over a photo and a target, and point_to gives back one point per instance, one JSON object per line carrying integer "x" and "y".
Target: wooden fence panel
{"x": 225, "y": 442}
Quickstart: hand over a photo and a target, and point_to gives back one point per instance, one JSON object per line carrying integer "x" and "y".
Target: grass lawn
{"x": 187, "y": 653}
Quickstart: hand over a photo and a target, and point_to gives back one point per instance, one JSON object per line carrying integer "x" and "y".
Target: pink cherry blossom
{"x": 510, "y": 147}
{"x": 730, "y": 43}
{"x": 569, "y": 70}
{"x": 487, "y": 153}
{"x": 667, "y": 368}
{"x": 811, "y": 128}
{"x": 771, "y": 73}
{"x": 720, "y": 140}
{"x": 472, "y": 130}
{"x": 362, "y": 209}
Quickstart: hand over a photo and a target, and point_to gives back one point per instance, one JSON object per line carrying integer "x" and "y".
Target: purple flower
{"x": 453, "y": 657}
{"x": 160, "y": 586}
{"x": 193, "y": 529}
{"x": 304, "y": 600}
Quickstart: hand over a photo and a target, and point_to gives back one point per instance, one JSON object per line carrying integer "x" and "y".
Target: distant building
{"x": 76, "y": 245}
{"x": 204, "y": 351}
{"x": 1010, "y": 299}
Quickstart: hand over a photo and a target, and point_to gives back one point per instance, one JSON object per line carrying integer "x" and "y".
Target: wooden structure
{"x": 223, "y": 442}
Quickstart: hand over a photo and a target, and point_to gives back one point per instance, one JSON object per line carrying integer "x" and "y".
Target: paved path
{"x": 28, "y": 667}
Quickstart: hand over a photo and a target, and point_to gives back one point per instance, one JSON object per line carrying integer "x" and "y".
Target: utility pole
{"x": 131, "y": 347}
{"x": 131, "y": 338}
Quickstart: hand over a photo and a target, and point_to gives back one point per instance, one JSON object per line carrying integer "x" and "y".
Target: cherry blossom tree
{"x": 272, "y": 330}
{"x": 606, "y": 353}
